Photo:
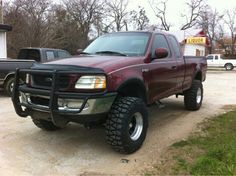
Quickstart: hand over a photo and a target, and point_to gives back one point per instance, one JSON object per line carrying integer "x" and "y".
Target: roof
{"x": 184, "y": 34}
{"x": 5, "y": 28}
{"x": 39, "y": 48}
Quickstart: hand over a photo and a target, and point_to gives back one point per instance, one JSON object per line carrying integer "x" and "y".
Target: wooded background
{"x": 73, "y": 24}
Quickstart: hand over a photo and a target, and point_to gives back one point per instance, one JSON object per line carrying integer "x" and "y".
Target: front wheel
{"x": 45, "y": 125}
{"x": 193, "y": 97}
{"x": 8, "y": 86}
{"x": 127, "y": 124}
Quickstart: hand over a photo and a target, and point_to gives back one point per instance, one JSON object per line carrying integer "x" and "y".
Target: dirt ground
{"x": 27, "y": 150}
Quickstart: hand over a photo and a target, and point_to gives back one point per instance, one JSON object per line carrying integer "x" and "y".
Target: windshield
{"x": 120, "y": 44}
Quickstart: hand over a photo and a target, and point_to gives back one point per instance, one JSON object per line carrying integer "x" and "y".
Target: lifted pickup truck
{"x": 216, "y": 60}
{"x": 25, "y": 59}
{"x": 111, "y": 83}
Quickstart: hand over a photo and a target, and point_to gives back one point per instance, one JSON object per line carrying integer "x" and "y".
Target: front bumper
{"x": 57, "y": 104}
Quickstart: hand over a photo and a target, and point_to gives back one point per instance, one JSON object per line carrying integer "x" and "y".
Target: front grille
{"x": 42, "y": 80}
{"x": 45, "y": 81}
{"x": 39, "y": 101}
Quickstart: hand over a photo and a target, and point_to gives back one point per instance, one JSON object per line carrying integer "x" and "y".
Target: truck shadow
{"x": 75, "y": 139}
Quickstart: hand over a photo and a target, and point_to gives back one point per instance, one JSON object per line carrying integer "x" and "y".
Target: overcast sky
{"x": 175, "y": 7}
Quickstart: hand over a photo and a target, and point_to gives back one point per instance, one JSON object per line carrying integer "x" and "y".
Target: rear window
{"x": 29, "y": 54}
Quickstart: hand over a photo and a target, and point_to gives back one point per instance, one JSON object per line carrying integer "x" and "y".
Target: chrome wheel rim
{"x": 199, "y": 95}
{"x": 11, "y": 87}
{"x": 136, "y": 126}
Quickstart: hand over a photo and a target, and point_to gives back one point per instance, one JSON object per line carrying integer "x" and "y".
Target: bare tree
{"x": 160, "y": 11}
{"x": 221, "y": 36}
{"x": 140, "y": 19}
{"x": 209, "y": 21}
{"x": 231, "y": 23}
{"x": 195, "y": 7}
{"x": 1, "y": 12}
{"x": 84, "y": 13}
{"x": 31, "y": 24}
{"x": 117, "y": 12}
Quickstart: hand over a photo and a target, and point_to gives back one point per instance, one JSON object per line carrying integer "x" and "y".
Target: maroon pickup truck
{"x": 111, "y": 83}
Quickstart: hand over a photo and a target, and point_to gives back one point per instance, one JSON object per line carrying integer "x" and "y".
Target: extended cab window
{"x": 50, "y": 55}
{"x": 216, "y": 57}
{"x": 176, "y": 46}
{"x": 63, "y": 54}
{"x": 160, "y": 42}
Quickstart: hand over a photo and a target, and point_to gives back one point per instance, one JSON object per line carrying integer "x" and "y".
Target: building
{"x": 193, "y": 41}
{"x": 3, "y": 40}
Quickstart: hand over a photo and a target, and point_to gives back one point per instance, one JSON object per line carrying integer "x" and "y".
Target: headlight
{"x": 91, "y": 82}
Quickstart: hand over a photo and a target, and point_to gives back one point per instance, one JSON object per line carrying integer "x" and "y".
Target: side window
{"x": 216, "y": 57}
{"x": 176, "y": 46}
{"x": 50, "y": 55}
{"x": 209, "y": 57}
{"x": 63, "y": 54}
{"x": 160, "y": 42}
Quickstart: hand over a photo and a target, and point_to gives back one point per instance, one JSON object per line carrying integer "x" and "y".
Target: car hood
{"x": 106, "y": 63}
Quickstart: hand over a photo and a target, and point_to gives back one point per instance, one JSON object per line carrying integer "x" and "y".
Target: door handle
{"x": 174, "y": 67}
{"x": 145, "y": 70}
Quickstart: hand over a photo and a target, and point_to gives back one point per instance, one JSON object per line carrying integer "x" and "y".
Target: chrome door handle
{"x": 145, "y": 70}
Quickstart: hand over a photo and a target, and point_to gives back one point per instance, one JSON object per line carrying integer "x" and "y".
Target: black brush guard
{"x": 54, "y": 92}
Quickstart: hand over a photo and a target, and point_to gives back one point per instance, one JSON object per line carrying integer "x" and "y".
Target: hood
{"x": 106, "y": 63}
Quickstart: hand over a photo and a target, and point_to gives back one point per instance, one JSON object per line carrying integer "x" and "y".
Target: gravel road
{"x": 27, "y": 150}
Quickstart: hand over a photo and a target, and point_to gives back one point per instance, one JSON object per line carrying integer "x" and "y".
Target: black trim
{"x": 4, "y": 27}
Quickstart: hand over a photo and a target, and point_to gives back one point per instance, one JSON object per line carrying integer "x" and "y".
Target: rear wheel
{"x": 229, "y": 66}
{"x": 45, "y": 125}
{"x": 127, "y": 124}
{"x": 8, "y": 86}
{"x": 194, "y": 96}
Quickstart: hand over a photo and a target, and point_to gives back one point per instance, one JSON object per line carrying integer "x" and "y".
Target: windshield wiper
{"x": 111, "y": 52}
{"x": 85, "y": 53}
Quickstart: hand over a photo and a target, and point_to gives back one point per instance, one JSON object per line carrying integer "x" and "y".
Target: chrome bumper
{"x": 71, "y": 106}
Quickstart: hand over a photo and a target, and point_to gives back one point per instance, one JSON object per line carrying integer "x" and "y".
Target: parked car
{"x": 113, "y": 81}
{"x": 25, "y": 59}
{"x": 216, "y": 60}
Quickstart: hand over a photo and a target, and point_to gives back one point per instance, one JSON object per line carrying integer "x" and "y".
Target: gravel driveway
{"x": 27, "y": 150}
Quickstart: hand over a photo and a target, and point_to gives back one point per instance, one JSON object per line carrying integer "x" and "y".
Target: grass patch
{"x": 209, "y": 152}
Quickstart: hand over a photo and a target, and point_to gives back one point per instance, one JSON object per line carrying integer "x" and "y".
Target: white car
{"x": 215, "y": 60}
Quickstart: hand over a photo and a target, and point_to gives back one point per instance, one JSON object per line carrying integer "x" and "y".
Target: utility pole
{"x": 1, "y": 12}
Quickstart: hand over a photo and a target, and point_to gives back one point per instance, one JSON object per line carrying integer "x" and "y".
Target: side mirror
{"x": 79, "y": 51}
{"x": 161, "y": 53}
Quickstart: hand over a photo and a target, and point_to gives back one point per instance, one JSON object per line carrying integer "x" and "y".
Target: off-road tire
{"x": 192, "y": 100}
{"x": 45, "y": 125}
{"x": 8, "y": 86}
{"x": 119, "y": 124}
{"x": 229, "y": 66}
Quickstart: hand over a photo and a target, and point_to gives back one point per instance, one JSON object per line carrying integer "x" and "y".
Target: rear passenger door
{"x": 180, "y": 70}
{"x": 212, "y": 61}
{"x": 162, "y": 72}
